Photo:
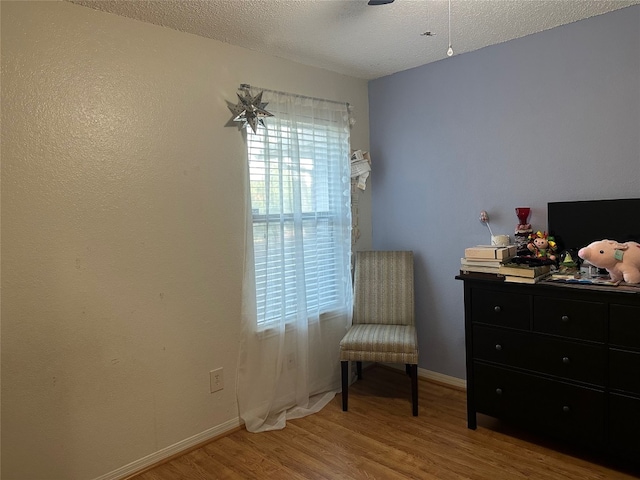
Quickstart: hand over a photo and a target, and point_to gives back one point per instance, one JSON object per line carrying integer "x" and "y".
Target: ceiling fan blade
{"x": 379, "y": 2}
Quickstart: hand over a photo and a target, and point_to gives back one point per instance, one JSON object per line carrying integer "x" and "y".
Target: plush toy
{"x": 621, "y": 260}
{"x": 542, "y": 245}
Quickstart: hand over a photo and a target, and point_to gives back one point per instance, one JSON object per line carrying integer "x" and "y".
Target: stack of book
{"x": 517, "y": 273}
{"x": 486, "y": 259}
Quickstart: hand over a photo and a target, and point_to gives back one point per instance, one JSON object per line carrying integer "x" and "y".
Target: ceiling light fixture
{"x": 450, "y": 50}
{"x": 428, "y": 33}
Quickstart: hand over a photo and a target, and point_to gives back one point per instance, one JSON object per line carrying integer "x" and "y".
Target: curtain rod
{"x": 246, "y": 86}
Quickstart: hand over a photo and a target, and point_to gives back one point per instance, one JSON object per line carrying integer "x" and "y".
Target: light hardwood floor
{"x": 378, "y": 438}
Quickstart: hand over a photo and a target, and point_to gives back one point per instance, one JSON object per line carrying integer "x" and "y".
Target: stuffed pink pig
{"x": 621, "y": 260}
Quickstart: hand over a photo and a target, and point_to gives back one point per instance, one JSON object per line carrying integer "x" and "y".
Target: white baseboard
{"x": 454, "y": 382}
{"x": 444, "y": 379}
{"x": 167, "y": 452}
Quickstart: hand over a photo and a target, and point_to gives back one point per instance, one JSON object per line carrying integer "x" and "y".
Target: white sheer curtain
{"x": 297, "y": 292}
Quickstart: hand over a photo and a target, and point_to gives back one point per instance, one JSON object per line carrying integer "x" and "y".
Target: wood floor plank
{"x": 248, "y": 462}
{"x": 370, "y": 451}
{"x": 288, "y": 448}
{"x": 378, "y": 438}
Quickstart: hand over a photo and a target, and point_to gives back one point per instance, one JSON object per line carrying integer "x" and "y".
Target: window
{"x": 299, "y": 184}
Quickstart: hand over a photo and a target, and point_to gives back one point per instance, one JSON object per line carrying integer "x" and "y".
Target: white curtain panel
{"x": 297, "y": 292}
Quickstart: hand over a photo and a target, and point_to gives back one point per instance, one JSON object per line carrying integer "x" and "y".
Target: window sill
{"x": 271, "y": 330}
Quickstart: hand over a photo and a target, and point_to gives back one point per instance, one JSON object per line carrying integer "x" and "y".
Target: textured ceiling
{"x": 353, "y": 38}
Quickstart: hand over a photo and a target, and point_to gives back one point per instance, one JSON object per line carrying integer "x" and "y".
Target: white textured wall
{"x": 122, "y": 233}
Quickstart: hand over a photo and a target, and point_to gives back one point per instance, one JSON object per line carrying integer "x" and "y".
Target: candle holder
{"x": 523, "y": 230}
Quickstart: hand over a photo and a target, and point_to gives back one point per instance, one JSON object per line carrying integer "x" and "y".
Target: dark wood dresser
{"x": 563, "y": 360}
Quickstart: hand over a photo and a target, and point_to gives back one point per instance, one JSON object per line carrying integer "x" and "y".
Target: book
{"x": 487, "y": 262}
{"x": 517, "y": 270}
{"x": 482, "y": 276}
{"x": 476, "y": 262}
{"x": 490, "y": 252}
{"x": 479, "y": 269}
{"x": 515, "y": 279}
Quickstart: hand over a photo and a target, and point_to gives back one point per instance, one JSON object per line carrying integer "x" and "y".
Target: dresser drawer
{"x": 501, "y": 308}
{"x": 624, "y": 371}
{"x": 570, "y": 318}
{"x": 624, "y": 425}
{"x": 541, "y": 354}
{"x": 562, "y": 410}
{"x": 624, "y": 325}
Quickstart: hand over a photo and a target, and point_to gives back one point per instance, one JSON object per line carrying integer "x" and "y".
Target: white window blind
{"x": 298, "y": 184}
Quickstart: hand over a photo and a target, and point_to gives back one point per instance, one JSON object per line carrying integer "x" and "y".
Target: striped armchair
{"x": 383, "y": 327}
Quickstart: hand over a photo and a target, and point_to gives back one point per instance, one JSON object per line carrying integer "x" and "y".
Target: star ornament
{"x": 249, "y": 110}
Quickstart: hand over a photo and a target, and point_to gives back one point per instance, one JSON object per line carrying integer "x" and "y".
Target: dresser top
{"x": 623, "y": 290}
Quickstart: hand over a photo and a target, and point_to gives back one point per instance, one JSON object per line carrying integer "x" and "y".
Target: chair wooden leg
{"x": 414, "y": 389}
{"x": 345, "y": 385}
{"x": 359, "y": 370}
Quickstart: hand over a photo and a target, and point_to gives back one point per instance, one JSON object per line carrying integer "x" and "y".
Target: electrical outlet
{"x": 216, "y": 380}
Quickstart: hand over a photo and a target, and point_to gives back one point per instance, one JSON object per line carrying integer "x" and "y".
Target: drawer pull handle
{"x": 566, "y": 360}
{"x": 497, "y": 309}
{"x": 498, "y": 391}
{"x": 565, "y": 318}
{"x": 498, "y": 347}
{"x": 566, "y": 409}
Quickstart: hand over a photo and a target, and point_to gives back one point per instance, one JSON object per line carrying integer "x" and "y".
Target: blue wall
{"x": 549, "y": 117}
